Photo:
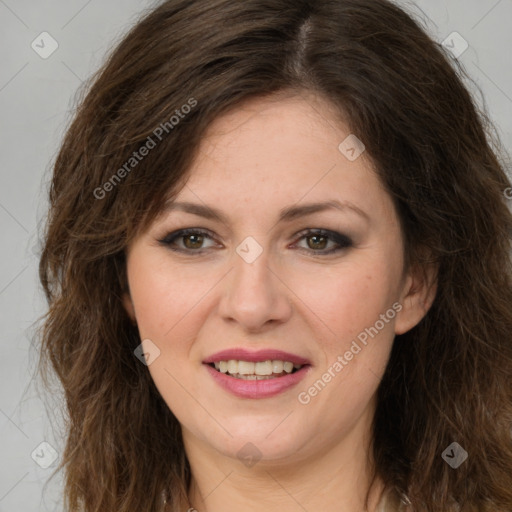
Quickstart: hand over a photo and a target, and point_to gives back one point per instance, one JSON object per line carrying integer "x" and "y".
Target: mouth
{"x": 256, "y": 375}
{"x": 261, "y": 370}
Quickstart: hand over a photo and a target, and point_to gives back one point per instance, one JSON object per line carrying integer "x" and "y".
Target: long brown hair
{"x": 179, "y": 68}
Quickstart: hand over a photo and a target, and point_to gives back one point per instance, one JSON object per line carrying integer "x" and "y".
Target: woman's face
{"x": 259, "y": 282}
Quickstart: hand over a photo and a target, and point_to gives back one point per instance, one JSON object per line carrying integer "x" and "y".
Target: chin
{"x": 261, "y": 444}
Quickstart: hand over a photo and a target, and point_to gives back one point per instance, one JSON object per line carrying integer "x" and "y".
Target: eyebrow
{"x": 285, "y": 215}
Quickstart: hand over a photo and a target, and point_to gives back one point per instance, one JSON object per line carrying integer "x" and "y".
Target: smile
{"x": 253, "y": 386}
{"x": 262, "y": 370}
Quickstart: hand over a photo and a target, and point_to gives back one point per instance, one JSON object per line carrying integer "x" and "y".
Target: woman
{"x": 277, "y": 263}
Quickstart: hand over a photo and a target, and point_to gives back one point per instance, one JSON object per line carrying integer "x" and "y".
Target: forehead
{"x": 272, "y": 153}
{"x": 273, "y": 125}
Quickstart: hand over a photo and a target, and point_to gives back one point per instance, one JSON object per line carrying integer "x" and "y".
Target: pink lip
{"x": 242, "y": 354}
{"x": 257, "y": 388}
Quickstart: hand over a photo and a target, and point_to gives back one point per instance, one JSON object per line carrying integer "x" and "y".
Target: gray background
{"x": 36, "y": 102}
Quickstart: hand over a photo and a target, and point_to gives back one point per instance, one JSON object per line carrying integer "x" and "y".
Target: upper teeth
{"x": 260, "y": 368}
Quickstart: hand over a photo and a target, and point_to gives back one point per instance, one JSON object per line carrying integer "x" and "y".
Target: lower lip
{"x": 257, "y": 388}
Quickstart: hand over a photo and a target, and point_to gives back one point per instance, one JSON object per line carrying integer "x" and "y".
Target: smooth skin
{"x": 270, "y": 154}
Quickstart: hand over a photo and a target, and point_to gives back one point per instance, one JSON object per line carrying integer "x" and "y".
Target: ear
{"x": 417, "y": 296}
{"x": 128, "y": 305}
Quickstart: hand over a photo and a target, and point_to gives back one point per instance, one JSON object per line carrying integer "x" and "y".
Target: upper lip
{"x": 242, "y": 354}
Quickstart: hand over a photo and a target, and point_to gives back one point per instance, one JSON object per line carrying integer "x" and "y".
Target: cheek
{"x": 347, "y": 299}
{"x": 163, "y": 295}
{"x": 167, "y": 304}
{"x": 356, "y": 348}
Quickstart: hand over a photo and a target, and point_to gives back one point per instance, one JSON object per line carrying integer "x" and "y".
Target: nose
{"x": 254, "y": 294}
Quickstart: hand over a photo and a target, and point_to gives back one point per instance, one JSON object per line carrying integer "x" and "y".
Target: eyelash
{"x": 343, "y": 241}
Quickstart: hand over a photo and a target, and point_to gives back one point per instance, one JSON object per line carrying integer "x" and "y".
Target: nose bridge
{"x": 253, "y": 294}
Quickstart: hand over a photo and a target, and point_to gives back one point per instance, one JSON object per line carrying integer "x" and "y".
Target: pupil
{"x": 197, "y": 243}
{"x": 316, "y": 237}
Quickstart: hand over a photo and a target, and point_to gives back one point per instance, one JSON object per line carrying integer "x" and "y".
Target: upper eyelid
{"x": 330, "y": 234}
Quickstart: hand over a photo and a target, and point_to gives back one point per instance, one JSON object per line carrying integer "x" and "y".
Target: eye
{"x": 192, "y": 240}
{"x": 318, "y": 239}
